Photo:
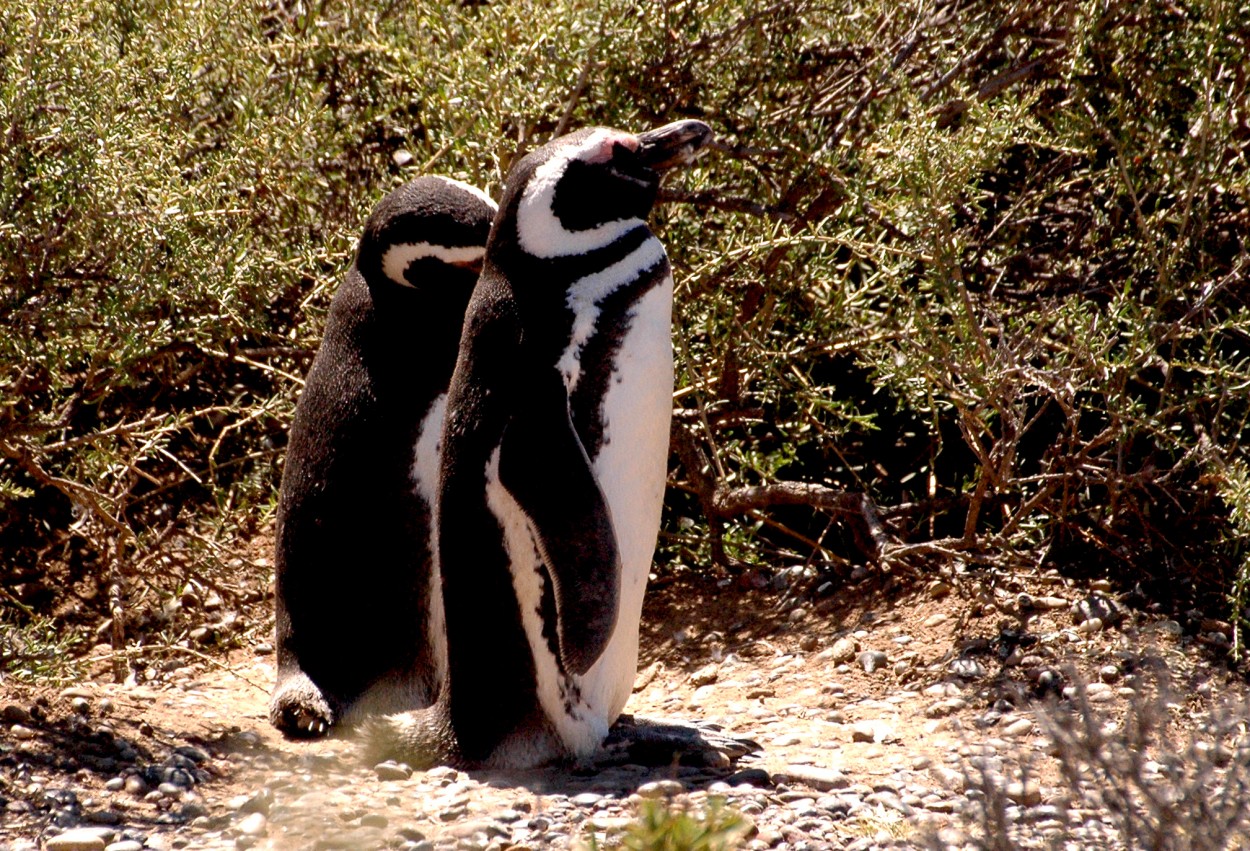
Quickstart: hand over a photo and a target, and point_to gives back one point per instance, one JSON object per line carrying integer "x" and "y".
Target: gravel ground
{"x": 892, "y": 719}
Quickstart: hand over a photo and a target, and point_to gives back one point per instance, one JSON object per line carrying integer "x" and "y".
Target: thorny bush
{"x": 965, "y": 282}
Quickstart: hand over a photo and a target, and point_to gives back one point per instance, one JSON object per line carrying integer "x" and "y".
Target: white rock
{"x": 705, "y": 676}
{"x": 661, "y": 789}
{"x": 1018, "y": 727}
{"x": 81, "y": 839}
{"x": 254, "y": 824}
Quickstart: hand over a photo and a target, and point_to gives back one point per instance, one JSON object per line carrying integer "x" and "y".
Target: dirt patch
{"x": 874, "y": 688}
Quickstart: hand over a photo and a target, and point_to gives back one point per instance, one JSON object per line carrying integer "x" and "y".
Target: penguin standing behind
{"x": 555, "y": 451}
{"x": 359, "y": 614}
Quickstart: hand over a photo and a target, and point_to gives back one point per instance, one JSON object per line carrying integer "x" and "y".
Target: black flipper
{"x": 543, "y": 464}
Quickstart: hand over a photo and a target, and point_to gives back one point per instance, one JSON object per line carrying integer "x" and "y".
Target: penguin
{"x": 358, "y": 597}
{"x": 555, "y": 450}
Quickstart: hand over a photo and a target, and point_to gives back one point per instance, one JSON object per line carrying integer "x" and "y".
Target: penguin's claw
{"x": 635, "y": 741}
{"x": 312, "y": 726}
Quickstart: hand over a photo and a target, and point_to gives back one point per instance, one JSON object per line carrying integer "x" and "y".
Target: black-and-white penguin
{"x": 359, "y": 612}
{"x": 555, "y": 451}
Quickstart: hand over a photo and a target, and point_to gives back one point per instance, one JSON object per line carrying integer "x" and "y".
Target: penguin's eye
{"x": 626, "y": 164}
{"x": 422, "y": 271}
{"x": 590, "y": 194}
{"x": 624, "y": 153}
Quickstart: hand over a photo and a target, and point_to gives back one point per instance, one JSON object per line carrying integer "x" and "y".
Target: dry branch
{"x": 726, "y": 503}
{"x": 721, "y": 503}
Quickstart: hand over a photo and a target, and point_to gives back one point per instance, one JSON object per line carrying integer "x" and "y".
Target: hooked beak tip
{"x": 676, "y": 144}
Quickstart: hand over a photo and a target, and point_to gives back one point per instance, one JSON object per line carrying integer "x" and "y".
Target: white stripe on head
{"x": 539, "y": 230}
{"x": 398, "y": 258}
{"x": 585, "y": 294}
{"x": 472, "y": 190}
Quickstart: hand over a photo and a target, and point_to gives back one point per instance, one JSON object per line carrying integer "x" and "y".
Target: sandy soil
{"x": 877, "y": 686}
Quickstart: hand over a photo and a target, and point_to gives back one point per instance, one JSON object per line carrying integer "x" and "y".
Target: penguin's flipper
{"x": 544, "y": 466}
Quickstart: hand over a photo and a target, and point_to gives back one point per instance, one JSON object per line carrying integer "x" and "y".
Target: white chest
{"x": 631, "y": 468}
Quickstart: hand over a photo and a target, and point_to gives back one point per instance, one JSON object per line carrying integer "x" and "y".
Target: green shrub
{"x": 965, "y": 280}
{"x": 1167, "y": 771}
{"x": 36, "y": 650}
{"x": 663, "y": 826}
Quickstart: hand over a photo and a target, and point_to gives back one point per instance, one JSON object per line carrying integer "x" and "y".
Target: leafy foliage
{"x": 980, "y": 263}
{"x": 37, "y": 650}
{"x": 1168, "y": 772}
{"x": 662, "y": 826}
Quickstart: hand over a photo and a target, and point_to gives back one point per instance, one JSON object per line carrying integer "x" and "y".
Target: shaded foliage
{"x": 981, "y": 262}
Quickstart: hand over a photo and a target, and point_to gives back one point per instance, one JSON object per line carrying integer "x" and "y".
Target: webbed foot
{"x": 299, "y": 709}
{"x": 637, "y": 741}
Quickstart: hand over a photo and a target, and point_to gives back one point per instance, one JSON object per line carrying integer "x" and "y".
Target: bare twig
{"x": 77, "y": 492}
{"x": 240, "y": 357}
{"x": 726, "y": 503}
{"x": 174, "y": 648}
{"x": 745, "y": 152}
{"x": 714, "y": 198}
{"x": 583, "y": 80}
{"x": 914, "y": 38}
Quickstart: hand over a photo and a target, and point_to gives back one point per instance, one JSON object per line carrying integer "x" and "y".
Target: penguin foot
{"x": 299, "y": 709}
{"x": 637, "y": 741}
{"x": 422, "y": 738}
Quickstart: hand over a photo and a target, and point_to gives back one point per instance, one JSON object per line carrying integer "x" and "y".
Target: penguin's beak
{"x": 679, "y": 143}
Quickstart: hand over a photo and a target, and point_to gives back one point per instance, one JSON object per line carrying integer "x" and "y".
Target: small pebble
{"x": 101, "y": 817}
{"x": 80, "y": 839}
{"x": 945, "y": 707}
{"x": 14, "y": 714}
{"x": 392, "y": 771}
{"x": 661, "y": 789}
{"x": 254, "y": 824}
{"x": 969, "y": 669}
{"x": 871, "y": 660}
{"x": 1017, "y": 728}
{"x": 750, "y": 777}
{"x": 1024, "y": 793}
{"x": 842, "y": 651}
{"x": 820, "y": 779}
{"x": 705, "y": 675}
{"x": 258, "y": 802}
{"x": 191, "y": 752}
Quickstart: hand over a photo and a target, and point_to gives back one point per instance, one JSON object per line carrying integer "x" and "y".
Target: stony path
{"x": 875, "y": 733}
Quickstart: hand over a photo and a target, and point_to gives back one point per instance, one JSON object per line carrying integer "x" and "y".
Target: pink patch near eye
{"x": 603, "y": 145}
